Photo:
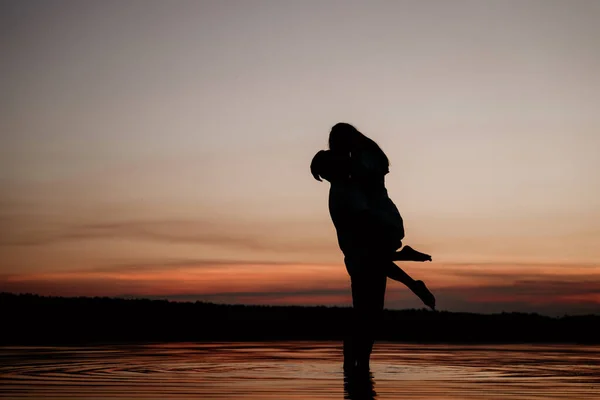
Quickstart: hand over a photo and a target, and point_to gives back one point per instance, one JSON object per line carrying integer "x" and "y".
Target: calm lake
{"x": 299, "y": 370}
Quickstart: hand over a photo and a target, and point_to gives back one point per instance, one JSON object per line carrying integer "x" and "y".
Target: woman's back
{"x": 368, "y": 171}
{"x": 368, "y": 167}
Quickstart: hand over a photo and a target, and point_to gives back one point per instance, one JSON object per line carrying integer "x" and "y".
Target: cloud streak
{"x": 496, "y": 288}
{"x": 195, "y": 232}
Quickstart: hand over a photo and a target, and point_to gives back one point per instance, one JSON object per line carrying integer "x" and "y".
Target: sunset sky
{"x": 161, "y": 149}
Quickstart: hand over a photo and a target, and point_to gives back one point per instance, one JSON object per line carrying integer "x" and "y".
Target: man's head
{"x": 330, "y": 166}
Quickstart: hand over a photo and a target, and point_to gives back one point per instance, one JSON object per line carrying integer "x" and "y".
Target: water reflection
{"x": 359, "y": 385}
{"x": 299, "y": 370}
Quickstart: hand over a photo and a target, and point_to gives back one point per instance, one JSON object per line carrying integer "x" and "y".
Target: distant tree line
{"x": 33, "y": 319}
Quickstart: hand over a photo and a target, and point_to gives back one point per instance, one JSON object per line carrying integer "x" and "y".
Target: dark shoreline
{"x": 39, "y": 320}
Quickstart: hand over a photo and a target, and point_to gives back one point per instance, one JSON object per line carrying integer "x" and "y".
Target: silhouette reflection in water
{"x": 359, "y": 385}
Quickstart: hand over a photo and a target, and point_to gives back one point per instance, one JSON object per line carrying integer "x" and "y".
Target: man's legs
{"x": 368, "y": 298}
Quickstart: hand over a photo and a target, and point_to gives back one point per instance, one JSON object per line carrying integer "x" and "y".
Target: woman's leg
{"x": 418, "y": 287}
{"x": 407, "y": 253}
{"x": 396, "y": 273}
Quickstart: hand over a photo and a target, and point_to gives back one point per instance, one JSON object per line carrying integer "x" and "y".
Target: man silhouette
{"x": 367, "y": 262}
{"x": 368, "y": 287}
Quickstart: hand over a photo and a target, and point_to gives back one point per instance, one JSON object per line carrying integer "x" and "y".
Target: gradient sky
{"x": 156, "y": 148}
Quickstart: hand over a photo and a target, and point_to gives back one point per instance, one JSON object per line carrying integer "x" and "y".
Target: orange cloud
{"x": 458, "y": 287}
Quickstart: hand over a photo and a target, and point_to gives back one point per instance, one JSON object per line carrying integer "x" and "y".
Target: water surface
{"x": 299, "y": 370}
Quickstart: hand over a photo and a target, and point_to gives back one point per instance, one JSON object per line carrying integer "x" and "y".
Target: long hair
{"x": 342, "y": 135}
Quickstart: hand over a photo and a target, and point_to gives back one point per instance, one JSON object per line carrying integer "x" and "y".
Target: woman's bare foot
{"x": 407, "y": 253}
{"x": 424, "y": 294}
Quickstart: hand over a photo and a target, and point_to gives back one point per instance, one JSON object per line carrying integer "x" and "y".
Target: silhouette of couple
{"x": 370, "y": 231}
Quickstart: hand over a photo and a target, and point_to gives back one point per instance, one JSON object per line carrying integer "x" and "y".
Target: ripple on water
{"x": 298, "y": 370}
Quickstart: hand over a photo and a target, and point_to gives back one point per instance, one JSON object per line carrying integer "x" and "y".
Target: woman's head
{"x": 345, "y": 138}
